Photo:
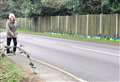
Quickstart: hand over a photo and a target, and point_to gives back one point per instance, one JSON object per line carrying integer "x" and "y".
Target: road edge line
{"x": 59, "y": 69}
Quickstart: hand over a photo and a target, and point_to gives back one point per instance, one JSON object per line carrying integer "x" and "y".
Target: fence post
{"x": 58, "y": 23}
{"x": 44, "y": 24}
{"x": 116, "y": 24}
{"x": 87, "y": 25}
{"x": 76, "y": 24}
{"x": 25, "y": 23}
{"x": 66, "y": 24}
{"x": 100, "y": 32}
{"x": 31, "y": 24}
{"x": 51, "y": 23}
{"x": 38, "y": 26}
{"x": 21, "y": 23}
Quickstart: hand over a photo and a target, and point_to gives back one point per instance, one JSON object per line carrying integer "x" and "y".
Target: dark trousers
{"x": 8, "y": 44}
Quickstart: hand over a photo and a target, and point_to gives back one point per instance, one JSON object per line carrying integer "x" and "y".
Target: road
{"x": 87, "y": 60}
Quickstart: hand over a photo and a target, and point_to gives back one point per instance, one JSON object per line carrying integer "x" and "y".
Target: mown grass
{"x": 1, "y": 30}
{"x": 9, "y": 72}
{"x": 70, "y": 36}
{"x": 75, "y": 37}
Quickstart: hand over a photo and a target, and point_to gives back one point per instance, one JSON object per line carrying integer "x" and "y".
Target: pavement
{"x": 44, "y": 72}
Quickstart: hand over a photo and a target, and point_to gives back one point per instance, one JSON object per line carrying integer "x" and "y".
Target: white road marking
{"x": 82, "y": 48}
{"x": 98, "y": 51}
{"x": 59, "y": 69}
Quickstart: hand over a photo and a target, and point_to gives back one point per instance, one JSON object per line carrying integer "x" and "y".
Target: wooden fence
{"x": 2, "y": 23}
{"x": 106, "y": 24}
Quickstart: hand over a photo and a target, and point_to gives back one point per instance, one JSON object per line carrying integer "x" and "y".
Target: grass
{"x": 1, "y": 30}
{"x": 9, "y": 72}
{"x": 70, "y": 36}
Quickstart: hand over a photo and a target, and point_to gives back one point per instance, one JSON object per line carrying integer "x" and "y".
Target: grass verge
{"x": 70, "y": 37}
{"x": 9, "y": 72}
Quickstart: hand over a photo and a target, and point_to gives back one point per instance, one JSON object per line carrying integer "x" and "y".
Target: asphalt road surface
{"x": 86, "y": 60}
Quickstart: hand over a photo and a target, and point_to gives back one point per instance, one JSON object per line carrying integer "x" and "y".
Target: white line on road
{"x": 98, "y": 51}
{"x": 59, "y": 69}
{"x": 83, "y": 48}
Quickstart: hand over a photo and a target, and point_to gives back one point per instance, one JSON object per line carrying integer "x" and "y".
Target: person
{"x": 11, "y": 32}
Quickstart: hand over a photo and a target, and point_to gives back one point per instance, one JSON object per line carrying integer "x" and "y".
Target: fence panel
{"x": 109, "y": 24}
{"x": 93, "y": 25}
{"x": 42, "y": 24}
{"x": 55, "y": 24}
{"x": 62, "y": 24}
{"x": 119, "y": 24}
{"x": 81, "y": 27}
{"x": 71, "y": 24}
{"x": 2, "y": 23}
{"x": 47, "y": 24}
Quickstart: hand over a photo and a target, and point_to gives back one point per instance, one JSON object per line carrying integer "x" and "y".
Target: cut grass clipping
{"x": 9, "y": 72}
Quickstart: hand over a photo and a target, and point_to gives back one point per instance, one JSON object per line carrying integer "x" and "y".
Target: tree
{"x": 11, "y": 6}
{"x": 54, "y": 7}
{"x": 3, "y": 10}
{"x": 115, "y": 6}
{"x": 110, "y": 6}
{"x": 105, "y": 7}
{"x": 34, "y": 8}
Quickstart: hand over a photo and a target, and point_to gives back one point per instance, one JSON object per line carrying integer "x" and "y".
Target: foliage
{"x": 33, "y": 8}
